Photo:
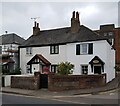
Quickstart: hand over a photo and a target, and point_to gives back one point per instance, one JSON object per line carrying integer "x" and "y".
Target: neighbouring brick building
{"x": 113, "y": 35}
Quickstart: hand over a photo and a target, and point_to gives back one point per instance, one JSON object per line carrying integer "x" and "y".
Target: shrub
{"x": 65, "y": 68}
{"x": 14, "y": 72}
{"x": 5, "y": 71}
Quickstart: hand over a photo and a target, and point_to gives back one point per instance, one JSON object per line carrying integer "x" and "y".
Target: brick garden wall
{"x": 26, "y": 82}
{"x": 59, "y": 82}
{"x": 73, "y": 82}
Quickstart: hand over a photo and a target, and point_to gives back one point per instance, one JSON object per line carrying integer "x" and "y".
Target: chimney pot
{"x": 73, "y": 14}
{"x": 37, "y": 25}
{"x": 77, "y": 16}
{"x": 36, "y": 28}
{"x": 75, "y": 23}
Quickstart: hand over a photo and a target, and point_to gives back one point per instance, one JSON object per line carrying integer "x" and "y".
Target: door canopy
{"x": 38, "y": 58}
{"x": 96, "y": 60}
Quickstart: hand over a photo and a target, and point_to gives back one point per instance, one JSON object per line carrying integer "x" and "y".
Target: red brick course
{"x": 117, "y": 45}
{"x": 26, "y": 82}
{"x": 73, "y": 82}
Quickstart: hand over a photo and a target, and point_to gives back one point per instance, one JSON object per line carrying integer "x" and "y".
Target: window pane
{"x": 54, "y": 49}
{"x": 83, "y": 49}
{"x": 28, "y": 50}
{"x": 54, "y": 68}
{"x": 84, "y": 69}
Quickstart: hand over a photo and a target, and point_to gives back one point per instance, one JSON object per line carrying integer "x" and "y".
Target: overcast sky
{"x": 16, "y": 16}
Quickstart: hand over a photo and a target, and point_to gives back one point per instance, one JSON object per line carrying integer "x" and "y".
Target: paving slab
{"x": 17, "y": 91}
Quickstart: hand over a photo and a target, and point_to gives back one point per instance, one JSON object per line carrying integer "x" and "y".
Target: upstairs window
{"x": 84, "y": 49}
{"x": 54, "y": 49}
{"x": 28, "y": 50}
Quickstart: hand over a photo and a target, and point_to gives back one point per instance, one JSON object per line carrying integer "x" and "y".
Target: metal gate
{"x": 43, "y": 80}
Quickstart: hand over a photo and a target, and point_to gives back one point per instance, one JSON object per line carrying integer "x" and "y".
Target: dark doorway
{"x": 3, "y": 81}
{"x": 97, "y": 69}
{"x": 43, "y": 80}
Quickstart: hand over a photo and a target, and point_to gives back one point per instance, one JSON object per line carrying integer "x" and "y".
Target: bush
{"x": 14, "y": 72}
{"x": 5, "y": 71}
{"x": 65, "y": 68}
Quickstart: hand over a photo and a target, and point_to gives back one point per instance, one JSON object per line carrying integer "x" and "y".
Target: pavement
{"x": 113, "y": 85}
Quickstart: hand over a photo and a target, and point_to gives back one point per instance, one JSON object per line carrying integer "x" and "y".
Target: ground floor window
{"x": 84, "y": 69}
{"x": 54, "y": 68}
{"x": 28, "y": 68}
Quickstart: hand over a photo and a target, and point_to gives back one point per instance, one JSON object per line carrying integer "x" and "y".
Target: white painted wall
{"x": 68, "y": 53}
{"x": 101, "y": 49}
{"x": 45, "y": 52}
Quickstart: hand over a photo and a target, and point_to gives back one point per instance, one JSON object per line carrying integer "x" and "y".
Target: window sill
{"x": 53, "y": 53}
{"x": 29, "y": 54}
{"x": 83, "y": 54}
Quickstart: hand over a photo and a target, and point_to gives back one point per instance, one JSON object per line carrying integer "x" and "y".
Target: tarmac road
{"x": 22, "y": 99}
{"x": 110, "y": 97}
{"x": 107, "y": 98}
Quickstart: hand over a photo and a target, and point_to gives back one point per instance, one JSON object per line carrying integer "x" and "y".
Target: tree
{"x": 65, "y": 68}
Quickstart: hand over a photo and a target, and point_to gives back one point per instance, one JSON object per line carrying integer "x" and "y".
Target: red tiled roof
{"x": 12, "y": 51}
{"x": 7, "y": 60}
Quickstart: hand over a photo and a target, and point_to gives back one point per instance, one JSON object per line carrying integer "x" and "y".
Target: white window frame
{"x": 54, "y": 49}
{"x": 84, "y": 65}
{"x": 29, "y": 50}
{"x": 54, "y": 68}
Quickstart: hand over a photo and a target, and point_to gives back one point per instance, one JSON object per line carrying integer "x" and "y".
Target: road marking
{"x": 67, "y": 101}
{"x": 73, "y": 96}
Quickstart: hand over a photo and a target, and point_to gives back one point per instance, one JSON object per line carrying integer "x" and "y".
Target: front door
{"x": 35, "y": 68}
{"x": 97, "y": 69}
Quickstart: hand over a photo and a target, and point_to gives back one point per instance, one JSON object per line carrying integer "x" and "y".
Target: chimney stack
{"x": 75, "y": 23}
{"x": 36, "y": 28}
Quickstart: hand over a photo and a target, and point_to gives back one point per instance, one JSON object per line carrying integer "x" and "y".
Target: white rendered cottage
{"x": 88, "y": 51}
